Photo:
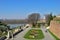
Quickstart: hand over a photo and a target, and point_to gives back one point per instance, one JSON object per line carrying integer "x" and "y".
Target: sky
{"x": 20, "y": 9}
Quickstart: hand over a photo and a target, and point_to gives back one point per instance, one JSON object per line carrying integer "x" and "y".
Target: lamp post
{"x": 8, "y": 30}
{"x": 8, "y": 36}
{"x": 12, "y": 35}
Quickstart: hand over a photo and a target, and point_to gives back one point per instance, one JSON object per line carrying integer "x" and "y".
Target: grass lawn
{"x": 34, "y": 34}
{"x": 58, "y": 21}
{"x": 54, "y": 35}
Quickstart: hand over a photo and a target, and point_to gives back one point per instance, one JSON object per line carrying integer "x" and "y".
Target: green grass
{"x": 54, "y": 35}
{"x": 39, "y": 34}
{"x": 58, "y": 21}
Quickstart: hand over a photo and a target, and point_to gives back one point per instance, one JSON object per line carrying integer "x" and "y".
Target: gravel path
{"x": 47, "y": 35}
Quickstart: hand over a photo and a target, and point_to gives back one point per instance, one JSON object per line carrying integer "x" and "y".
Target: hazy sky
{"x": 20, "y": 9}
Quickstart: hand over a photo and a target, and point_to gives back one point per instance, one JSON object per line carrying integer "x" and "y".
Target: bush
{"x": 39, "y": 25}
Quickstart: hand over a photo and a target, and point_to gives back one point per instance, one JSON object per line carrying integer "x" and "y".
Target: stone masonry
{"x": 55, "y": 27}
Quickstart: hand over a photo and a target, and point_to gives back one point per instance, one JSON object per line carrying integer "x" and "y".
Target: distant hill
{"x": 14, "y": 21}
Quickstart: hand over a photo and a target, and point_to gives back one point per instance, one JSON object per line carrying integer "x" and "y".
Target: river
{"x": 15, "y": 25}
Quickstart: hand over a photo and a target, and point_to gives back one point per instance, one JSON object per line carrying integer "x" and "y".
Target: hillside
{"x": 14, "y": 21}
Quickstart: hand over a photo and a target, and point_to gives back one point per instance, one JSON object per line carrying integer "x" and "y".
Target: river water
{"x": 15, "y": 25}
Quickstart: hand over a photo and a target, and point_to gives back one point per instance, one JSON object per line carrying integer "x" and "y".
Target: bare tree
{"x": 33, "y": 18}
{"x": 48, "y": 18}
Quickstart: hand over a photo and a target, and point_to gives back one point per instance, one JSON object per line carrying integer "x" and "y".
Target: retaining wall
{"x": 55, "y": 28}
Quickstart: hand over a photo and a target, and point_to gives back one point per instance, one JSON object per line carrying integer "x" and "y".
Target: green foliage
{"x": 58, "y": 21}
{"x": 3, "y": 28}
{"x": 3, "y": 34}
{"x": 38, "y": 24}
{"x": 54, "y": 16}
{"x": 49, "y": 17}
{"x": 0, "y": 33}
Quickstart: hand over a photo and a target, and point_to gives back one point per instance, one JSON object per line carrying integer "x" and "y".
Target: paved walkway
{"x": 20, "y": 36}
{"x": 47, "y": 35}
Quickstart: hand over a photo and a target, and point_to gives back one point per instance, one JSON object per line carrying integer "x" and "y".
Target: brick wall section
{"x": 55, "y": 28}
